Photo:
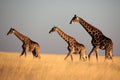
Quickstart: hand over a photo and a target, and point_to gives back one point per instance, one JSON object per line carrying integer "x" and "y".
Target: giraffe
{"x": 73, "y": 46}
{"x": 28, "y": 44}
{"x": 99, "y": 40}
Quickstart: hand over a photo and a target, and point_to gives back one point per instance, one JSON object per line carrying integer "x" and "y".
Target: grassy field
{"x": 53, "y": 67}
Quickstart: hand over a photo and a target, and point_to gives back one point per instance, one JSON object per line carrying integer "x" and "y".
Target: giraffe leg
{"x": 111, "y": 54}
{"x": 66, "y": 56}
{"x": 91, "y": 53}
{"x": 69, "y": 54}
{"x": 108, "y": 54}
{"x": 38, "y": 52}
{"x": 71, "y": 57}
{"x": 80, "y": 56}
{"x": 83, "y": 56}
{"x": 22, "y": 53}
{"x": 34, "y": 53}
{"x": 26, "y": 50}
{"x": 111, "y": 57}
{"x": 96, "y": 51}
{"x": 25, "y": 53}
{"x": 71, "y": 51}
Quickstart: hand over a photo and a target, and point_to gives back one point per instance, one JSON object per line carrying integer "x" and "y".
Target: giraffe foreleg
{"x": 71, "y": 51}
{"x": 91, "y": 53}
{"x": 69, "y": 54}
{"x": 22, "y": 51}
{"x": 96, "y": 51}
{"x": 66, "y": 56}
{"x": 26, "y": 50}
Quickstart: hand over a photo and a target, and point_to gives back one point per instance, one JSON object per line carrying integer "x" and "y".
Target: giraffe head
{"x": 53, "y": 29}
{"x": 11, "y": 31}
{"x": 74, "y": 19}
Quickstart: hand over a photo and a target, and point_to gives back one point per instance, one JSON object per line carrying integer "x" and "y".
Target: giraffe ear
{"x": 75, "y": 15}
{"x": 12, "y": 28}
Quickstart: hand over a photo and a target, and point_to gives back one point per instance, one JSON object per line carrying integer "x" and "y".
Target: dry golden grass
{"x": 53, "y": 67}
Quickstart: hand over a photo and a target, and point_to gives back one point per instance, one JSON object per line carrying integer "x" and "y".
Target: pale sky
{"x": 34, "y": 18}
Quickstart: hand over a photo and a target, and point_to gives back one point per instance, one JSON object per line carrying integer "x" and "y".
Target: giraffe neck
{"x": 89, "y": 28}
{"x": 21, "y": 36}
{"x": 66, "y": 37}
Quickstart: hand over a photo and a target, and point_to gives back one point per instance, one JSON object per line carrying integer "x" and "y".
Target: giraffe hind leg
{"x": 111, "y": 55}
{"x": 108, "y": 54}
{"x": 84, "y": 58}
{"x": 83, "y": 54}
{"x": 79, "y": 56}
{"x": 37, "y": 49}
{"x": 36, "y": 53}
{"x": 71, "y": 57}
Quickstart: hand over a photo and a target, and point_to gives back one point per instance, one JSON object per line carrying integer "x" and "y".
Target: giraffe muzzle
{"x": 50, "y": 31}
